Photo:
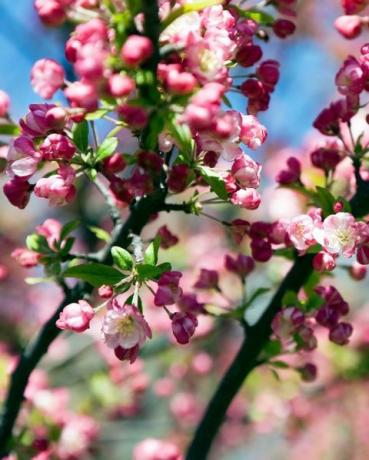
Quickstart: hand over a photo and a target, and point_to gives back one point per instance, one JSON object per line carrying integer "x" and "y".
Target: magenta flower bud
{"x": 82, "y": 94}
{"x": 211, "y": 159}
{"x": 57, "y": 147}
{"x": 180, "y": 82}
{"x": 349, "y": 26}
{"x": 178, "y": 178}
{"x": 47, "y": 76}
{"x": 4, "y": 103}
{"x": 246, "y": 198}
{"x": 248, "y": 55}
{"x": 18, "y": 192}
{"x": 150, "y": 161}
{"x": 120, "y": 85}
{"x": 59, "y": 188}
{"x": 341, "y": 333}
{"x": 354, "y": 6}
{"x": 208, "y": 279}
{"x": 333, "y": 298}
{"x": 51, "y": 12}
{"x": 268, "y": 73}
{"x": 105, "y": 291}
{"x": 309, "y": 341}
{"x": 291, "y": 174}
{"x": 183, "y": 326}
{"x": 76, "y": 317}
{"x": 136, "y": 117}
{"x": 242, "y": 265}
{"x": 358, "y": 271}
{"x": 327, "y": 316}
{"x": 127, "y": 354}
{"x": 323, "y": 261}
{"x": 25, "y": 257}
{"x": 113, "y": 164}
{"x": 283, "y": 28}
{"x": 338, "y": 207}
{"x": 325, "y": 158}
{"x": 35, "y": 122}
{"x": 136, "y": 50}
{"x": 56, "y": 118}
{"x": 189, "y": 302}
{"x": 168, "y": 291}
{"x": 351, "y": 77}
{"x": 308, "y": 372}
{"x": 252, "y": 88}
{"x": 261, "y": 250}
{"x": 167, "y": 239}
{"x": 362, "y": 254}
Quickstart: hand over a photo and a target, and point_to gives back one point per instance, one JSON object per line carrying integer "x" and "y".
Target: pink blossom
{"x": 25, "y": 257}
{"x": 354, "y": 6}
{"x": 135, "y": 117}
{"x": 324, "y": 262}
{"x": 124, "y": 326}
{"x": 358, "y": 271}
{"x": 261, "y": 250}
{"x": 4, "y": 103}
{"x": 35, "y": 122}
{"x": 242, "y": 265}
{"x": 76, "y": 437}
{"x": 268, "y": 73}
{"x": 136, "y": 50}
{"x": 291, "y": 174}
{"x": 341, "y": 333}
{"x": 300, "y": 231}
{"x": 246, "y": 171}
{"x": 249, "y": 54}
{"x": 349, "y": 26}
{"x": 283, "y": 28}
{"x": 47, "y": 76}
{"x": 246, "y": 198}
{"x": 56, "y": 118}
{"x": 105, "y": 291}
{"x": 59, "y": 188}
{"x": 155, "y": 449}
{"x": 183, "y": 326}
{"x": 287, "y": 321}
{"x": 50, "y": 229}
{"x": 253, "y": 133}
{"x": 339, "y": 234}
{"x": 120, "y": 85}
{"x": 167, "y": 238}
{"x": 208, "y": 279}
{"x": 76, "y": 317}
{"x": 82, "y": 94}
{"x": 168, "y": 289}
{"x": 51, "y": 12}
{"x": 180, "y": 82}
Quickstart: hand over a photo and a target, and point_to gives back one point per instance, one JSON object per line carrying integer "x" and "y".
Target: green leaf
{"x": 227, "y": 102}
{"x": 151, "y": 253}
{"x": 37, "y": 243}
{"x": 69, "y": 227}
{"x": 67, "y": 246}
{"x": 91, "y": 173}
{"x": 122, "y": 258}
{"x": 9, "y": 130}
{"x": 187, "y": 8}
{"x": 107, "y": 148}
{"x": 95, "y": 274}
{"x": 148, "y": 272}
{"x": 80, "y": 135}
{"x": 183, "y": 137}
{"x": 96, "y": 115}
{"x": 215, "y": 181}
{"x": 256, "y": 15}
{"x": 272, "y": 348}
{"x": 325, "y": 200}
{"x": 290, "y": 299}
{"x": 288, "y": 253}
{"x": 279, "y": 364}
{"x": 100, "y": 233}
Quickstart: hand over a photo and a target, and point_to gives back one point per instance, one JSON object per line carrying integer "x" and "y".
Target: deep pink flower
{"x": 351, "y": 77}
{"x": 135, "y": 117}
{"x": 114, "y": 163}
{"x": 120, "y": 85}
{"x": 51, "y": 12}
{"x": 76, "y": 317}
{"x": 35, "y": 123}
{"x": 189, "y": 302}
{"x": 178, "y": 178}
{"x": 261, "y": 250}
{"x": 308, "y": 372}
{"x": 268, "y": 73}
{"x": 168, "y": 289}
{"x": 327, "y": 316}
{"x": 47, "y": 76}
{"x": 183, "y": 326}
{"x": 248, "y": 55}
{"x": 283, "y": 28}
{"x": 167, "y": 238}
{"x": 324, "y": 262}
{"x": 136, "y": 50}
{"x": 242, "y": 265}
{"x": 57, "y": 147}
{"x": 326, "y": 158}
{"x": 354, "y": 6}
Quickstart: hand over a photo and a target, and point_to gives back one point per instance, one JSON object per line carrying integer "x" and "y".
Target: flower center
{"x": 343, "y": 236}
{"x": 125, "y": 325}
{"x": 208, "y": 61}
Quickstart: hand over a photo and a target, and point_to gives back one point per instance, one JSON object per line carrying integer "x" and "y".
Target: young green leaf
{"x": 80, "y": 135}
{"x": 9, "y": 130}
{"x": 149, "y": 272}
{"x": 95, "y": 274}
{"x": 37, "y": 243}
{"x": 151, "y": 253}
{"x": 100, "y": 233}
{"x": 107, "y": 148}
{"x": 122, "y": 258}
{"x": 215, "y": 181}
{"x": 68, "y": 228}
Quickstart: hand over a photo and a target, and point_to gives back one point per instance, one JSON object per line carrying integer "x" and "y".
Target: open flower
{"x": 125, "y": 330}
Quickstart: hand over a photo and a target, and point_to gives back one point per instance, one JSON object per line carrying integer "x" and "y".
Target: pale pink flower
{"x": 340, "y": 234}
{"x": 253, "y": 133}
{"x": 50, "y": 229}
{"x": 124, "y": 326}
{"x": 4, "y": 103}
{"x": 59, "y": 188}
{"x": 246, "y": 172}
{"x": 300, "y": 230}
{"x": 246, "y": 198}
{"x": 47, "y": 76}
{"x": 156, "y": 449}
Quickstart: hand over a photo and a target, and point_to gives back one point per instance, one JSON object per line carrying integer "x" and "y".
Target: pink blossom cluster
{"x": 351, "y": 24}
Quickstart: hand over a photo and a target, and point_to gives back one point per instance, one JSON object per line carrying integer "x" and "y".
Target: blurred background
{"x": 163, "y": 394}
